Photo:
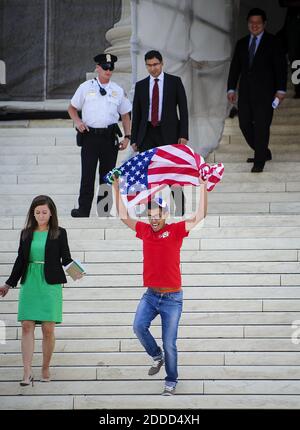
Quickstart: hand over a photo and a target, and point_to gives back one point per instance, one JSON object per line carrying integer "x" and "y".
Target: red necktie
{"x": 154, "y": 107}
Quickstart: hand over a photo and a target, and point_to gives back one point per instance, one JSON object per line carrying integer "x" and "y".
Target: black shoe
{"x": 257, "y": 169}
{"x": 77, "y": 213}
{"x": 269, "y": 158}
{"x": 233, "y": 112}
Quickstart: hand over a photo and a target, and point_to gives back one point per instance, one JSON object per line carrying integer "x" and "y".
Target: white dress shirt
{"x": 160, "y": 90}
{"x": 100, "y": 111}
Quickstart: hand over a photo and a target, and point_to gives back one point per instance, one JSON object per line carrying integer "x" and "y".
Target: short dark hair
{"x": 153, "y": 54}
{"x": 256, "y": 11}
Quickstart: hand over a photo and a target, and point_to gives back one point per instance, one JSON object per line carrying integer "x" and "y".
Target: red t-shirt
{"x": 161, "y": 251}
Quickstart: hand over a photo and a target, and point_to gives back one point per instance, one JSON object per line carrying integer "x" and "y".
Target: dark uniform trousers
{"x": 97, "y": 146}
{"x": 153, "y": 139}
{"x": 255, "y": 118}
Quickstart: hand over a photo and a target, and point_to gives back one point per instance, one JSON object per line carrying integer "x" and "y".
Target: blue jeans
{"x": 169, "y": 307}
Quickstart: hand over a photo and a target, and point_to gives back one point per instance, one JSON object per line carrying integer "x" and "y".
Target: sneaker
{"x": 156, "y": 365}
{"x": 169, "y": 390}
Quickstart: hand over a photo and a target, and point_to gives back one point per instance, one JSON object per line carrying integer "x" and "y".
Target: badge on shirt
{"x": 91, "y": 93}
{"x": 164, "y": 235}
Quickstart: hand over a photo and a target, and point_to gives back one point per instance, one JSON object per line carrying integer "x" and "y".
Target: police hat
{"x": 105, "y": 58}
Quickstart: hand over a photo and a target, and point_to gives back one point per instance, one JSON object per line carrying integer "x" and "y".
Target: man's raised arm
{"x": 121, "y": 209}
{"x": 201, "y": 211}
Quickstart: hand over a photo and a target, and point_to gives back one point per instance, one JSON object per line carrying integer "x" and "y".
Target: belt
{"x": 160, "y": 292}
{"x": 101, "y": 130}
{"x": 37, "y": 262}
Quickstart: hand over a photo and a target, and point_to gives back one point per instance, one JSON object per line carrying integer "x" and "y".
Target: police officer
{"x": 101, "y": 102}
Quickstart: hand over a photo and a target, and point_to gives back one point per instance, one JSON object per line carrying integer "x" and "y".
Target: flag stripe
{"x": 169, "y": 170}
{"x": 178, "y": 152}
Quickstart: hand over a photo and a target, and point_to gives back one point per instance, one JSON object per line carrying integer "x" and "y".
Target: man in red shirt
{"x": 162, "y": 278}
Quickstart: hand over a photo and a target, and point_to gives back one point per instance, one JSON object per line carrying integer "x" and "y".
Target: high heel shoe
{"x": 25, "y": 384}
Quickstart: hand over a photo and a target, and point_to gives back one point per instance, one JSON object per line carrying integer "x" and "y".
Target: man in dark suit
{"x": 155, "y": 121}
{"x": 259, "y": 65}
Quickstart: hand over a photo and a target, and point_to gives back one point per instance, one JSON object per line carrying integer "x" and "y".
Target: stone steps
{"x": 152, "y": 401}
{"x": 185, "y": 332}
{"x": 140, "y": 372}
{"x": 241, "y": 277}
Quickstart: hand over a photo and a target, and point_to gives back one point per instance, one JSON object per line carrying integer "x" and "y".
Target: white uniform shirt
{"x": 160, "y": 91}
{"x": 100, "y": 111}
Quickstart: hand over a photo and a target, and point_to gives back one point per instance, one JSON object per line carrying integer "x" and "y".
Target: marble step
{"x": 117, "y": 307}
{"x": 276, "y": 129}
{"x": 196, "y": 267}
{"x": 140, "y": 372}
{"x": 213, "y": 292}
{"x": 155, "y": 387}
{"x": 200, "y": 332}
{"x": 194, "y": 358}
{"x": 155, "y": 402}
{"x": 188, "y": 244}
{"x": 224, "y": 279}
{"x": 238, "y": 146}
{"x": 227, "y": 279}
{"x": 276, "y": 141}
{"x": 186, "y": 256}
{"x": 82, "y": 346}
{"x": 108, "y": 321}
{"x": 36, "y": 131}
{"x": 138, "y": 401}
{"x": 228, "y": 155}
{"x": 103, "y": 387}
{"x": 17, "y": 222}
{"x": 40, "y": 150}
{"x": 201, "y": 233}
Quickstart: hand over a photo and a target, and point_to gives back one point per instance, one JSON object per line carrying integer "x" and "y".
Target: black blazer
{"x": 174, "y": 96}
{"x": 267, "y": 74}
{"x": 57, "y": 253}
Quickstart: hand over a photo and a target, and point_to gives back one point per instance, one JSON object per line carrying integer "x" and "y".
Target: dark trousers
{"x": 96, "y": 148}
{"x": 153, "y": 139}
{"x": 255, "y": 122}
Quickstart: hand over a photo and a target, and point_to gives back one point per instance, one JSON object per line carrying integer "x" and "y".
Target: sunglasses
{"x": 107, "y": 66}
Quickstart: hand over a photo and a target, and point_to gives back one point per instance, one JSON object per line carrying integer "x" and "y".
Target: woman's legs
{"x": 27, "y": 345}
{"x": 48, "y": 347}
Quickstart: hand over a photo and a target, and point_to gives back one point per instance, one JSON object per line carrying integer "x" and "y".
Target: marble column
{"x": 119, "y": 38}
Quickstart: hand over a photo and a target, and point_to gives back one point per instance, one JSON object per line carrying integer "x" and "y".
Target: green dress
{"x": 38, "y": 300}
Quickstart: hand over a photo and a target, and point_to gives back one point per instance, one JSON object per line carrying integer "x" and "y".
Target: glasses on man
{"x": 107, "y": 66}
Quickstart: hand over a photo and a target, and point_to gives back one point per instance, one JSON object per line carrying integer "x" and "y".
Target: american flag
{"x": 148, "y": 172}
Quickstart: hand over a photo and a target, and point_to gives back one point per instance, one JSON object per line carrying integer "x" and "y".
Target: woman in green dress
{"x": 43, "y": 250}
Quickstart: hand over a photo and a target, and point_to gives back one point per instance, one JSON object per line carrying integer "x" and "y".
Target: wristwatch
{"x": 128, "y": 136}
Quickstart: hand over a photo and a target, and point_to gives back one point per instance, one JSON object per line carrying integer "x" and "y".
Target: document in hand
{"x": 75, "y": 269}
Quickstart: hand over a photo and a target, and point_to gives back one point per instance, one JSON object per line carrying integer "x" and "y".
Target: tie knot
{"x": 156, "y": 79}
